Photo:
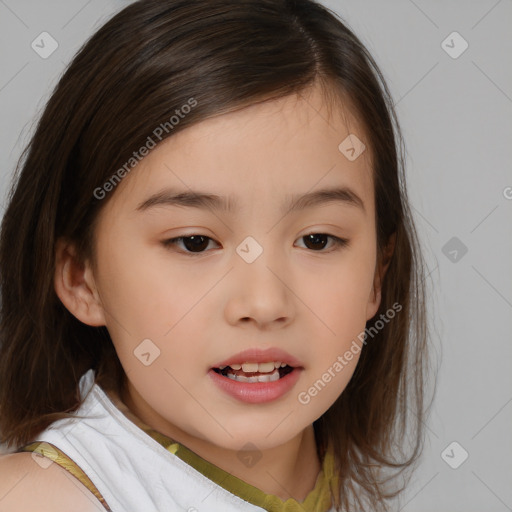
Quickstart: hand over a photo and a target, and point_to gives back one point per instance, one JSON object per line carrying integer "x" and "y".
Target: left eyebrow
{"x": 342, "y": 195}
{"x": 206, "y": 201}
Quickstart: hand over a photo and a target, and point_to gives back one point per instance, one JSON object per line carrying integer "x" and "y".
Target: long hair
{"x": 133, "y": 75}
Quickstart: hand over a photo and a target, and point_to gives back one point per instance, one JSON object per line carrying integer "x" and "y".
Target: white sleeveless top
{"x": 132, "y": 471}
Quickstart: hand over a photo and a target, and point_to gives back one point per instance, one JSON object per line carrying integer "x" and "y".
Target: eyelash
{"x": 339, "y": 243}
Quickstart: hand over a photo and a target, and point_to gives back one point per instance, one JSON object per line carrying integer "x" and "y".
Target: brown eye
{"x": 318, "y": 241}
{"x": 197, "y": 244}
{"x": 193, "y": 244}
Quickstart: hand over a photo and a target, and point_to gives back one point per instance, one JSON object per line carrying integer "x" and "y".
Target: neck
{"x": 288, "y": 471}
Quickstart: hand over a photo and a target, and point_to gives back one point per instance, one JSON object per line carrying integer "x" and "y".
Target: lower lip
{"x": 256, "y": 392}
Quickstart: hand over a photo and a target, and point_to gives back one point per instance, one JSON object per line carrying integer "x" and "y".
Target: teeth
{"x": 272, "y": 377}
{"x": 255, "y": 367}
{"x": 266, "y": 367}
{"x": 258, "y": 367}
{"x": 250, "y": 367}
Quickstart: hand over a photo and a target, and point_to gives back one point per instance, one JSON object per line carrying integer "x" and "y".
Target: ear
{"x": 75, "y": 286}
{"x": 380, "y": 271}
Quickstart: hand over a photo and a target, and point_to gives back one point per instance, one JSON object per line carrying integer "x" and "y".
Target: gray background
{"x": 457, "y": 123}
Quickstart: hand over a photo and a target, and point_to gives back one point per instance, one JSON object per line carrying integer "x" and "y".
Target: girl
{"x": 212, "y": 293}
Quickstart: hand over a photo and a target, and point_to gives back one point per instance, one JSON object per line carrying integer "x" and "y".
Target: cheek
{"x": 338, "y": 298}
{"x": 327, "y": 383}
{"x": 148, "y": 296}
{"x": 338, "y": 293}
{"x": 138, "y": 288}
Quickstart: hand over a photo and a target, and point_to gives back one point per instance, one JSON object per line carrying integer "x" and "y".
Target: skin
{"x": 26, "y": 484}
{"x": 200, "y": 309}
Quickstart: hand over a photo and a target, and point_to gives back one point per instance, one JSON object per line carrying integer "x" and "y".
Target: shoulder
{"x": 27, "y": 485}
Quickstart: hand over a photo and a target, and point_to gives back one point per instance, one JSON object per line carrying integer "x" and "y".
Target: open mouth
{"x": 263, "y": 373}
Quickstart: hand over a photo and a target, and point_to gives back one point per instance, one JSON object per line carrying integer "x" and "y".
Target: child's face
{"x": 201, "y": 308}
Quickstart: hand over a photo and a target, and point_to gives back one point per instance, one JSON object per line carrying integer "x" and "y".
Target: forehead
{"x": 258, "y": 154}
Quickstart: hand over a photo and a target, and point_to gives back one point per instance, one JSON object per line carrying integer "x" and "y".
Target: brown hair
{"x": 130, "y": 77}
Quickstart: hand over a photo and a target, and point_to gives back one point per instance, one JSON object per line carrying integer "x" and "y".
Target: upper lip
{"x": 257, "y": 355}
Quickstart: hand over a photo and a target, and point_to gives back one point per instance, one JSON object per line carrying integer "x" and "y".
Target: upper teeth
{"x": 255, "y": 367}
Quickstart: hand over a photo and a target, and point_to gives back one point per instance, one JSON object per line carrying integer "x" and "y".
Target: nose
{"x": 259, "y": 292}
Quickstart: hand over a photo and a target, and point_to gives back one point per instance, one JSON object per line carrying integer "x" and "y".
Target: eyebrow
{"x": 205, "y": 201}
